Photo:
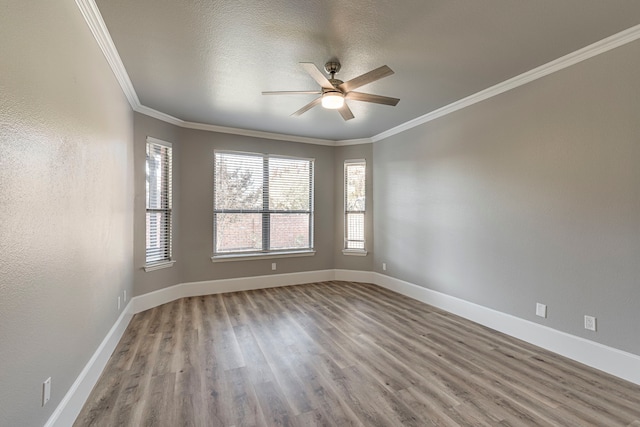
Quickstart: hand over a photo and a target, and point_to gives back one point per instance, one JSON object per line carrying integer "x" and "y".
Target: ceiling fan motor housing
{"x": 332, "y": 67}
{"x": 333, "y": 92}
{"x": 335, "y": 82}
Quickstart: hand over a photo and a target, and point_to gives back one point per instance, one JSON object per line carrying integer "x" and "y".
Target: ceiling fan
{"x": 334, "y": 92}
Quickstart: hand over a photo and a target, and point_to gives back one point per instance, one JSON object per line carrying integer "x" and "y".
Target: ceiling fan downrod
{"x": 332, "y": 67}
{"x": 333, "y": 92}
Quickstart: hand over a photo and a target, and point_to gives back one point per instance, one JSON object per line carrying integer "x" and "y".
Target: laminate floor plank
{"x": 431, "y": 412}
{"x": 330, "y": 407}
{"x": 340, "y": 354}
{"x": 258, "y": 370}
{"x": 274, "y": 406}
{"x": 161, "y": 393}
{"x": 245, "y": 409}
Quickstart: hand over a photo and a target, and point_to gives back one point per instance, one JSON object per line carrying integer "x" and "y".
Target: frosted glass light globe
{"x": 332, "y": 100}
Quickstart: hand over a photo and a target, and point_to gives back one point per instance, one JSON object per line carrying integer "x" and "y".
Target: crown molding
{"x": 142, "y": 109}
{"x": 346, "y": 142}
{"x": 246, "y": 132}
{"x": 597, "y": 48}
{"x": 257, "y": 134}
{"x": 98, "y": 28}
{"x": 228, "y": 130}
{"x": 94, "y": 20}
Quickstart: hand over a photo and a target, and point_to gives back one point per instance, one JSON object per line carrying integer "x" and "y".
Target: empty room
{"x": 324, "y": 213}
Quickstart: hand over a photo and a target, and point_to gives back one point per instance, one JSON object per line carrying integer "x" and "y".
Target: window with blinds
{"x": 262, "y": 203}
{"x": 158, "y": 201}
{"x": 354, "y": 204}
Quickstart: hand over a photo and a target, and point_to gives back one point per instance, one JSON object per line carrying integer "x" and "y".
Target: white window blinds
{"x": 354, "y": 204}
{"x": 262, "y": 203}
{"x": 158, "y": 201}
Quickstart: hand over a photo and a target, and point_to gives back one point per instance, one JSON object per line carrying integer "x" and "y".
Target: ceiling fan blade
{"x": 293, "y": 92}
{"x": 366, "y": 78}
{"x": 368, "y": 97}
{"x": 317, "y": 75}
{"x": 345, "y": 112}
{"x": 308, "y": 107}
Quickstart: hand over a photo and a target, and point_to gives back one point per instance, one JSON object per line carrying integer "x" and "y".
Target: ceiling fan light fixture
{"x": 332, "y": 100}
{"x": 333, "y": 92}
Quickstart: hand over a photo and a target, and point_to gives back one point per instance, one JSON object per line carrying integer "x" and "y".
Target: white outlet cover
{"x": 46, "y": 391}
{"x": 118, "y": 302}
{"x": 590, "y": 323}
{"x": 541, "y": 310}
{"x": 273, "y": 265}
{"x": 384, "y": 266}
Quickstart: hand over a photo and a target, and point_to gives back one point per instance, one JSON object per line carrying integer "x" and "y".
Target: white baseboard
{"x": 354, "y": 276}
{"x": 608, "y": 359}
{"x": 71, "y": 404}
{"x": 209, "y": 287}
{"x": 613, "y": 361}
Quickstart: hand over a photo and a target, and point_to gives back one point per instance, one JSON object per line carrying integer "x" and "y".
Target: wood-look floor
{"x": 340, "y": 354}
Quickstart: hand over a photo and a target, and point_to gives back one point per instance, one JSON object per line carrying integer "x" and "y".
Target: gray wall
{"x": 351, "y": 262}
{"x": 531, "y": 196}
{"x": 149, "y": 281}
{"x": 66, "y": 203}
{"x": 193, "y": 206}
{"x": 196, "y": 201}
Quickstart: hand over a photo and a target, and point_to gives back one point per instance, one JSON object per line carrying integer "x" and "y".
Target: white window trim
{"x": 266, "y": 255}
{"x": 355, "y": 252}
{"x": 158, "y": 266}
{"x": 240, "y": 256}
{"x": 159, "y": 142}
{"x": 345, "y": 251}
{"x": 164, "y": 263}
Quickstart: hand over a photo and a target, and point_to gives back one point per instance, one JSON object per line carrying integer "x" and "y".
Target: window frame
{"x": 168, "y": 261}
{"x": 346, "y": 250}
{"x": 265, "y": 252}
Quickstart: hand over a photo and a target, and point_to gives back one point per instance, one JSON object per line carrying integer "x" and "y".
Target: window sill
{"x": 271, "y": 255}
{"x": 158, "y": 266}
{"x": 354, "y": 252}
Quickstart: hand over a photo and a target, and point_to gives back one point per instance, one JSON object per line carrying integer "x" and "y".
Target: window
{"x": 158, "y": 201}
{"x": 354, "y": 205}
{"x": 263, "y": 204}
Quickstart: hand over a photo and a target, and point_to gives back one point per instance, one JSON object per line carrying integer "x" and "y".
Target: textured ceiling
{"x": 208, "y": 61}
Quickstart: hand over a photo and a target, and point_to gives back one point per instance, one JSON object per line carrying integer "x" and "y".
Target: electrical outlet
{"x": 590, "y": 323}
{"x": 384, "y": 266}
{"x": 541, "y": 310}
{"x": 273, "y": 266}
{"x": 46, "y": 391}
{"x": 125, "y": 295}
{"x": 118, "y": 302}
